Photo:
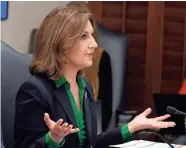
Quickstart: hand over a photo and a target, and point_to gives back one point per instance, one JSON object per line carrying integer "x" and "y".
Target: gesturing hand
{"x": 141, "y": 122}
{"x": 58, "y": 130}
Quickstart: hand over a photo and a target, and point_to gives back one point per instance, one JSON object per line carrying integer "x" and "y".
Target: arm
{"x": 110, "y": 137}
{"x": 124, "y": 133}
{"x": 31, "y": 123}
{"x": 140, "y": 122}
{"x": 29, "y": 127}
{"x": 115, "y": 136}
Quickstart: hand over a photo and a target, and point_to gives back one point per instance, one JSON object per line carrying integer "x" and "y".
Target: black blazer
{"x": 39, "y": 95}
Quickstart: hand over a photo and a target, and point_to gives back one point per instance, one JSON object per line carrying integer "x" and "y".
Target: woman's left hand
{"x": 141, "y": 122}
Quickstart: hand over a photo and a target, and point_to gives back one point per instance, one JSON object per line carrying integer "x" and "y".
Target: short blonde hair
{"x": 58, "y": 32}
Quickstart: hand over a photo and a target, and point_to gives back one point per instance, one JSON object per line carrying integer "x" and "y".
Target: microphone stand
{"x": 160, "y": 136}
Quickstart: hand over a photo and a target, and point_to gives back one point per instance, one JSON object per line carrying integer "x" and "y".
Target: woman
{"x": 55, "y": 107}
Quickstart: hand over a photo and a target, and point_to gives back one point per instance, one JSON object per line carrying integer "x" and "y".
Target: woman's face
{"x": 80, "y": 55}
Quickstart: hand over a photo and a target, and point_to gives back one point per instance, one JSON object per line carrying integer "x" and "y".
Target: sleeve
{"x": 51, "y": 144}
{"x": 113, "y": 136}
{"x": 109, "y": 137}
{"x": 29, "y": 127}
{"x": 126, "y": 133}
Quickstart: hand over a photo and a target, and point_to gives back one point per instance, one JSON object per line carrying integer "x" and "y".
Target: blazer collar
{"x": 63, "y": 81}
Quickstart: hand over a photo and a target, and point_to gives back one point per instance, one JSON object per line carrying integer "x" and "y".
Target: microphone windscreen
{"x": 171, "y": 110}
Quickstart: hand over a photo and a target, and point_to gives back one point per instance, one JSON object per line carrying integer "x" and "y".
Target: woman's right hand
{"x": 58, "y": 130}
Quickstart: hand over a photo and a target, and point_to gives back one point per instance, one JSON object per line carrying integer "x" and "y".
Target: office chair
{"x": 14, "y": 71}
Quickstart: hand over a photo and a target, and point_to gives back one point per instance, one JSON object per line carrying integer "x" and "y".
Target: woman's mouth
{"x": 90, "y": 55}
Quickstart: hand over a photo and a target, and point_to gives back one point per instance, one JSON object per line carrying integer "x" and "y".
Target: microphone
{"x": 145, "y": 134}
{"x": 173, "y": 110}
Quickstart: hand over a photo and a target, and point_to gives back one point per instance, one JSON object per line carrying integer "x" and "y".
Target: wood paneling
{"x": 112, "y": 9}
{"x": 154, "y": 49}
{"x": 174, "y": 14}
{"x": 156, "y": 61}
{"x": 97, "y": 10}
{"x": 173, "y": 56}
{"x": 136, "y": 28}
{"x": 123, "y": 17}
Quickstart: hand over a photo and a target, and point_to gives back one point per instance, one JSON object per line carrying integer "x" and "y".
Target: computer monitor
{"x": 177, "y": 101}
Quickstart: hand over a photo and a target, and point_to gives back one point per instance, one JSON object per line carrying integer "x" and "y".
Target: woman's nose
{"x": 94, "y": 44}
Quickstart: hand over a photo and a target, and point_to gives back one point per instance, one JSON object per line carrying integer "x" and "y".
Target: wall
{"x": 23, "y": 16}
{"x": 156, "y": 60}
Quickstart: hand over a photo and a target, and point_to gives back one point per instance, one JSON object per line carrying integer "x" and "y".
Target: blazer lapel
{"x": 64, "y": 101}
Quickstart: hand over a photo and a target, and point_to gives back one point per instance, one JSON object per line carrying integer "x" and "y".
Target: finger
{"x": 46, "y": 118}
{"x": 67, "y": 129}
{"x": 48, "y": 121}
{"x": 74, "y": 130}
{"x": 147, "y": 112}
{"x": 57, "y": 125}
{"x": 161, "y": 118}
{"x": 63, "y": 127}
{"x": 169, "y": 124}
{"x": 166, "y": 124}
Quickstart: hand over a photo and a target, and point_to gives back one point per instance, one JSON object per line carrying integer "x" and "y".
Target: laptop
{"x": 179, "y": 102}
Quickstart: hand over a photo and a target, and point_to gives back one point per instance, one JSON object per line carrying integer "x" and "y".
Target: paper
{"x": 146, "y": 144}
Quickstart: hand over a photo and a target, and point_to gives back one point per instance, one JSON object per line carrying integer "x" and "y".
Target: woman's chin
{"x": 88, "y": 64}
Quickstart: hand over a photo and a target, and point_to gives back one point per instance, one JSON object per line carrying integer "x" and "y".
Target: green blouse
{"x": 79, "y": 115}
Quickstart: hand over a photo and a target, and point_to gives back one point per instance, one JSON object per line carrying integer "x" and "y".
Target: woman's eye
{"x": 84, "y": 36}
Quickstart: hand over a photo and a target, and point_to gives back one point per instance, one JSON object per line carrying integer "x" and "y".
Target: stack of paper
{"x": 146, "y": 144}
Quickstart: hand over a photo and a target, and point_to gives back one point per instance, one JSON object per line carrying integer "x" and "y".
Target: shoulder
{"x": 34, "y": 81}
{"x": 36, "y": 84}
{"x": 36, "y": 89}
